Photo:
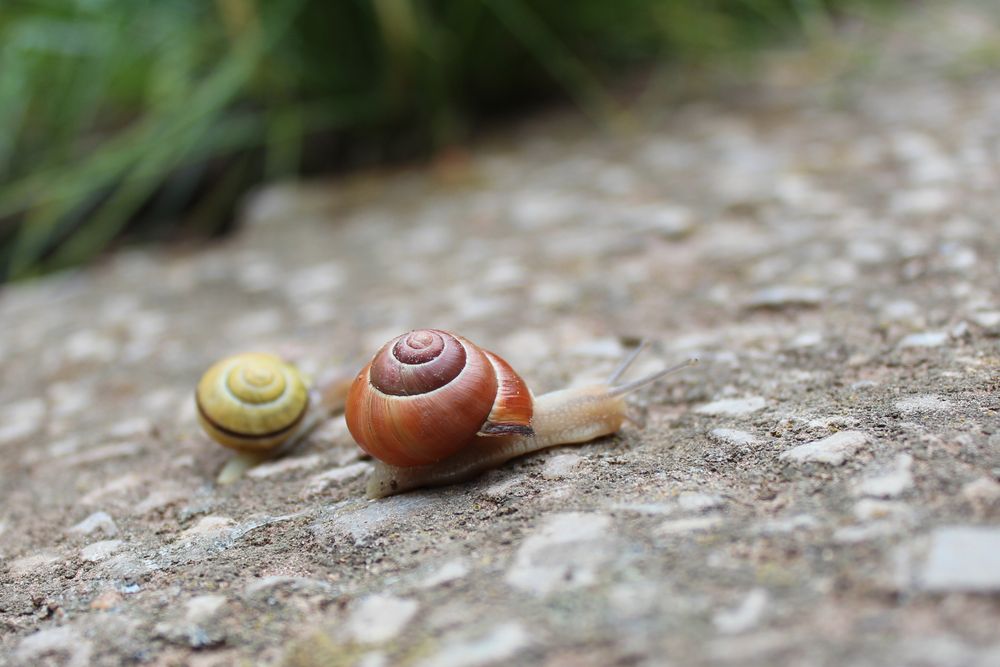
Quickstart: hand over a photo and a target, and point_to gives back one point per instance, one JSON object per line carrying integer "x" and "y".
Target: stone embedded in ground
{"x": 743, "y": 616}
{"x": 924, "y": 403}
{"x": 378, "y": 618}
{"x": 888, "y": 483}
{"x": 832, "y": 450}
{"x": 732, "y": 407}
{"x": 962, "y": 558}
{"x": 98, "y": 522}
{"x": 99, "y": 551}
{"x": 567, "y": 551}
{"x": 501, "y": 642}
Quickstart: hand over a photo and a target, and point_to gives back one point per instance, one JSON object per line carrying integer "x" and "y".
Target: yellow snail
{"x": 434, "y": 409}
{"x": 262, "y": 406}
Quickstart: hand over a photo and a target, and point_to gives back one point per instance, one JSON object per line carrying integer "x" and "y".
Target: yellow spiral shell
{"x": 251, "y": 402}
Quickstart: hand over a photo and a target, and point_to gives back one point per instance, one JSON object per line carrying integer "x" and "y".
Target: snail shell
{"x": 251, "y": 402}
{"x": 428, "y": 393}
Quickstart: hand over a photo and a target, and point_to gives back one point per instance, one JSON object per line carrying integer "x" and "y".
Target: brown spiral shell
{"x": 428, "y": 393}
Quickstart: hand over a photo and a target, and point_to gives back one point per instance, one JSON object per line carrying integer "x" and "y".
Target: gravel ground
{"x": 821, "y": 490}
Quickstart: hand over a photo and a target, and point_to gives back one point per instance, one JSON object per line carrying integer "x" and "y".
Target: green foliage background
{"x": 151, "y": 117}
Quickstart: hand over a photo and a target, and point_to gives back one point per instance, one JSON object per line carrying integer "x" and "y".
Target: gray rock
{"x": 962, "y": 558}
{"x": 832, "y": 450}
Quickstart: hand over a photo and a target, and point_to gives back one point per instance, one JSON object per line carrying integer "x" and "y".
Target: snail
{"x": 262, "y": 406}
{"x": 433, "y": 409}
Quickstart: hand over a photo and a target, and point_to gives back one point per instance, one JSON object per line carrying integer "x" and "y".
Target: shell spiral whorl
{"x": 251, "y": 402}
{"x": 428, "y": 393}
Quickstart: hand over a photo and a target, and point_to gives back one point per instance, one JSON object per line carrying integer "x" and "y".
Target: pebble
{"x": 201, "y": 608}
{"x": 689, "y": 525}
{"x": 962, "y": 558}
{"x": 34, "y": 563}
{"x": 732, "y": 407}
{"x": 989, "y": 320}
{"x": 334, "y": 477}
{"x": 134, "y": 427}
{"x": 21, "y": 419}
{"x": 500, "y": 644}
{"x": 451, "y": 571}
{"x": 37, "y": 649}
{"x": 699, "y": 502}
{"x": 159, "y": 498}
{"x": 98, "y": 551}
{"x": 732, "y": 437}
{"x": 282, "y": 466}
{"x": 744, "y": 616}
{"x": 981, "y": 492}
{"x": 96, "y": 522}
{"x": 925, "y": 403}
{"x": 561, "y": 465}
{"x": 870, "y": 509}
{"x": 891, "y": 483}
{"x": 90, "y": 346}
{"x": 379, "y": 618}
{"x": 924, "y": 339}
{"x": 789, "y": 524}
{"x": 786, "y": 296}
{"x": 831, "y": 450}
{"x": 565, "y": 551}
{"x": 208, "y": 525}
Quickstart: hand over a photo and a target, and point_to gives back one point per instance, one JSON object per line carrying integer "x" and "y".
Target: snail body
{"x": 261, "y": 406}
{"x": 405, "y": 432}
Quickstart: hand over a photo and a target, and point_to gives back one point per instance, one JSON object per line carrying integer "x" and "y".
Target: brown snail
{"x": 433, "y": 408}
{"x": 262, "y": 406}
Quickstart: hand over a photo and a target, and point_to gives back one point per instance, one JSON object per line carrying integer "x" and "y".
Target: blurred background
{"x": 126, "y": 121}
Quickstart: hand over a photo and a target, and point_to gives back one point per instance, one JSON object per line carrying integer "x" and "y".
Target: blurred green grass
{"x": 145, "y": 119}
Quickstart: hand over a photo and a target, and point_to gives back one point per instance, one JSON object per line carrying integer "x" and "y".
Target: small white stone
{"x": 925, "y": 403}
{"x": 891, "y": 483}
{"x": 831, "y": 450}
{"x": 699, "y": 502}
{"x": 38, "y": 648}
{"x": 561, "y": 465}
{"x": 989, "y": 320}
{"x": 744, "y": 616}
{"x": 208, "y": 525}
{"x": 88, "y": 345}
{"x": 924, "y": 339}
{"x": 565, "y": 551}
{"x": 334, "y": 477}
{"x": 379, "y": 618}
{"x": 789, "y": 524}
{"x": 98, "y": 551}
{"x": 981, "y": 491}
{"x": 131, "y": 428}
{"x": 161, "y": 497}
{"x": 282, "y": 466}
{"x": 201, "y": 608}
{"x": 20, "y": 420}
{"x": 869, "y": 509}
{"x": 900, "y": 311}
{"x": 499, "y": 645}
{"x": 732, "y": 407}
{"x": 922, "y": 202}
{"x": 962, "y": 558}
{"x": 733, "y": 437}
{"x": 450, "y": 571}
{"x": 255, "y": 324}
{"x": 807, "y": 339}
{"x": 689, "y": 525}
{"x": 96, "y": 522}
{"x": 34, "y": 563}
{"x": 780, "y": 296}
